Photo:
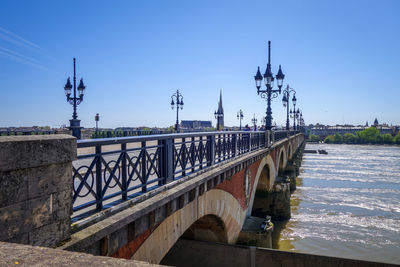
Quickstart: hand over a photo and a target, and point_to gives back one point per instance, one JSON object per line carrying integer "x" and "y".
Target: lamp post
{"x": 269, "y": 93}
{"x": 285, "y": 101}
{"x": 97, "y": 118}
{"x": 254, "y": 121}
{"x": 218, "y": 115}
{"x": 263, "y": 120}
{"x": 179, "y": 104}
{"x": 240, "y": 118}
{"x": 301, "y": 121}
{"x": 75, "y": 124}
{"x": 295, "y": 115}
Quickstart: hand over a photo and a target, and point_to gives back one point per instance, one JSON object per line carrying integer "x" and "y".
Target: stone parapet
{"x": 23, "y": 255}
{"x": 35, "y": 188}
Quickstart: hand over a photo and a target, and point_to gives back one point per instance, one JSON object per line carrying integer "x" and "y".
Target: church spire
{"x": 219, "y": 114}
{"x": 220, "y": 108}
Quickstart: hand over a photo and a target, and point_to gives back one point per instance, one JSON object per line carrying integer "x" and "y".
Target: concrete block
{"x": 20, "y": 152}
{"x": 35, "y": 188}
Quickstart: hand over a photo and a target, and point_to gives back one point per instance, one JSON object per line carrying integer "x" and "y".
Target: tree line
{"x": 370, "y": 135}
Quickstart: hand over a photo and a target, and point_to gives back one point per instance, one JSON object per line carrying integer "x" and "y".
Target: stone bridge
{"x": 135, "y": 197}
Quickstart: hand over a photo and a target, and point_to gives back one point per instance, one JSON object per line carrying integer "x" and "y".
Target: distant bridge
{"x": 332, "y": 130}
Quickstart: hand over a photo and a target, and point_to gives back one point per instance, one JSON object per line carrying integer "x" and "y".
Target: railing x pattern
{"x": 112, "y": 170}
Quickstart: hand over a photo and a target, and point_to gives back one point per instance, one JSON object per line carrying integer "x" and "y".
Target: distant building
{"x": 219, "y": 114}
{"x": 196, "y": 124}
{"x": 376, "y": 123}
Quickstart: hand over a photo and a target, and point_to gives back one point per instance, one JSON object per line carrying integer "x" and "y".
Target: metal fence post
{"x": 250, "y": 135}
{"x": 234, "y": 145}
{"x": 144, "y": 167}
{"x": 99, "y": 187}
{"x": 211, "y": 150}
{"x": 183, "y": 155}
{"x": 168, "y": 160}
{"x": 192, "y": 154}
{"x": 124, "y": 173}
{"x": 267, "y": 138}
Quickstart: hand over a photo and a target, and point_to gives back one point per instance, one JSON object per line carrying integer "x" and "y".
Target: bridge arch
{"x": 208, "y": 228}
{"x": 263, "y": 182}
{"x": 215, "y": 208}
{"x": 289, "y": 151}
{"x": 282, "y": 160}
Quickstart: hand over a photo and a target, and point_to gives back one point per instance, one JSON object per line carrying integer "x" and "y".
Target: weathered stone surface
{"x": 13, "y": 187}
{"x": 19, "y": 152}
{"x": 49, "y": 235}
{"x": 23, "y": 255}
{"x": 22, "y": 184}
{"x": 49, "y": 179}
{"x": 35, "y": 188}
{"x": 14, "y": 220}
{"x": 20, "y": 239}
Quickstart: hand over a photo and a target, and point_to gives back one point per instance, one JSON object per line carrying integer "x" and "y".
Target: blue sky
{"x": 342, "y": 58}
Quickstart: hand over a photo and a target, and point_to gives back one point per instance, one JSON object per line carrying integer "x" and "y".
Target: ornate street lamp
{"x": 295, "y": 113}
{"x": 254, "y": 121}
{"x": 218, "y": 117}
{"x": 240, "y": 118}
{"x": 97, "y": 118}
{"x": 285, "y": 101}
{"x": 179, "y": 104}
{"x": 263, "y": 120}
{"x": 301, "y": 121}
{"x": 75, "y": 124}
{"x": 269, "y": 93}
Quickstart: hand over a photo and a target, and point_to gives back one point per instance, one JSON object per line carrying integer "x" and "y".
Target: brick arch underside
{"x": 282, "y": 159}
{"x": 266, "y": 162}
{"x": 214, "y": 202}
{"x": 289, "y": 151}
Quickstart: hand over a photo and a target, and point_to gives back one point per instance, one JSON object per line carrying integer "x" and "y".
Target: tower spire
{"x": 219, "y": 114}
{"x": 220, "y": 108}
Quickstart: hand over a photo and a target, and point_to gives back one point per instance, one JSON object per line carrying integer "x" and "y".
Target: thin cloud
{"x": 16, "y": 39}
{"x": 17, "y": 55}
{"x": 12, "y": 55}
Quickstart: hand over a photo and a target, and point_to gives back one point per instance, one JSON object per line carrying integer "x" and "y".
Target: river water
{"x": 347, "y": 204}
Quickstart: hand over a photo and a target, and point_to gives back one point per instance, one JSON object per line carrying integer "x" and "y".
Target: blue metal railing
{"x": 112, "y": 170}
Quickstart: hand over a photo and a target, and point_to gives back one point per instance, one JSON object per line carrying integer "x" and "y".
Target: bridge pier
{"x": 256, "y": 232}
{"x": 275, "y": 202}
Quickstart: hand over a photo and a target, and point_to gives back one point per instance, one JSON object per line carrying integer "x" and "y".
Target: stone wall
{"x": 23, "y": 255}
{"x": 35, "y": 188}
